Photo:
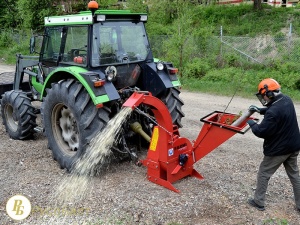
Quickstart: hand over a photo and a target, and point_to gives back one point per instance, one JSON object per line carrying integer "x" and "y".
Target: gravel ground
{"x": 123, "y": 195}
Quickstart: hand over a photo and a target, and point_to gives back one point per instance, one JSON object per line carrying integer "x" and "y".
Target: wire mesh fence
{"x": 262, "y": 49}
{"x": 12, "y": 36}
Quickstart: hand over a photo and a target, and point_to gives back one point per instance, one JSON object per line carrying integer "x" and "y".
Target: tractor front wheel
{"x": 18, "y": 115}
{"x": 71, "y": 120}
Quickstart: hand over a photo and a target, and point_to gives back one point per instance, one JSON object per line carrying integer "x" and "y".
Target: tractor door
{"x": 50, "y": 51}
{"x": 64, "y": 46}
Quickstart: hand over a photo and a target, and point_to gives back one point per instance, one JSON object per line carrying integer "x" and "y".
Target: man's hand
{"x": 254, "y": 108}
{"x": 251, "y": 123}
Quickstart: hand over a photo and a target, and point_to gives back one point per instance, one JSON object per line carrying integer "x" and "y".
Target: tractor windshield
{"x": 119, "y": 42}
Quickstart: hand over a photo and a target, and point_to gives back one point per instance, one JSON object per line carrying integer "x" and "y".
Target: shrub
{"x": 197, "y": 68}
{"x": 5, "y": 39}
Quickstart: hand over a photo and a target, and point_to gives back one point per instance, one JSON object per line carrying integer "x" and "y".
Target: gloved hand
{"x": 251, "y": 123}
{"x": 254, "y": 108}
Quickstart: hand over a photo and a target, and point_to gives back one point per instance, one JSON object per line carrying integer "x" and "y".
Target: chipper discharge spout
{"x": 171, "y": 157}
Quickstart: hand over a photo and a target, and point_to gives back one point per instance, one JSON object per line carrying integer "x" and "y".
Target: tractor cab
{"x": 108, "y": 37}
{"x": 112, "y": 41}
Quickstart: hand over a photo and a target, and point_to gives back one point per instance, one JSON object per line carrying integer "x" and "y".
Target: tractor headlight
{"x": 160, "y": 66}
{"x": 101, "y": 18}
{"x": 110, "y": 73}
{"x": 144, "y": 18}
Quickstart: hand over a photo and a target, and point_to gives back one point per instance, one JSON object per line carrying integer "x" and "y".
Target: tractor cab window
{"x": 75, "y": 49}
{"x": 65, "y": 45}
{"x": 119, "y": 42}
{"x": 51, "y": 46}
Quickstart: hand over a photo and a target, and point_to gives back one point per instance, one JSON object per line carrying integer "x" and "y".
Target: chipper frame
{"x": 171, "y": 157}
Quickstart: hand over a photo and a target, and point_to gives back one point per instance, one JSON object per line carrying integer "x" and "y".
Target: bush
{"x": 288, "y": 67}
{"x": 196, "y": 69}
{"x": 15, "y": 43}
{"x": 226, "y": 75}
{"x": 5, "y": 39}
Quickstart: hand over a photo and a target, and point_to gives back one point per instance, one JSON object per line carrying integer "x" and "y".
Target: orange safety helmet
{"x": 267, "y": 87}
{"x": 268, "y": 84}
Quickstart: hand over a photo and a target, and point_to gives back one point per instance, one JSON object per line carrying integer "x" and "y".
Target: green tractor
{"x": 88, "y": 65}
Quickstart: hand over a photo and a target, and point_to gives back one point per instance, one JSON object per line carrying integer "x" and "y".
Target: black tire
{"x": 172, "y": 100}
{"x": 71, "y": 120}
{"x": 18, "y": 115}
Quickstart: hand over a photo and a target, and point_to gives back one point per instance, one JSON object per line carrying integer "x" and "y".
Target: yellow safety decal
{"x": 154, "y": 139}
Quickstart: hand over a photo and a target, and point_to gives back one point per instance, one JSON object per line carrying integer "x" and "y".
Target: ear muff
{"x": 269, "y": 94}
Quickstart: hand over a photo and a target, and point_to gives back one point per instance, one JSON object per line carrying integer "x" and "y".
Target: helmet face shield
{"x": 261, "y": 98}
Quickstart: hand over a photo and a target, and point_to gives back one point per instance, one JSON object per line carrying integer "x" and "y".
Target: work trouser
{"x": 268, "y": 167}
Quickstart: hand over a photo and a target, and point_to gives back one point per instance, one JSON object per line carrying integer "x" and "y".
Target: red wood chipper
{"x": 171, "y": 157}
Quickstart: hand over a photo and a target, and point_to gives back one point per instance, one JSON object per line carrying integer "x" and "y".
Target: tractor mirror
{"x": 36, "y": 44}
{"x": 32, "y": 45}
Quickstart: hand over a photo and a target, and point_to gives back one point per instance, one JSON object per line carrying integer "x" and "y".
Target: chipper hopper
{"x": 171, "y": 157}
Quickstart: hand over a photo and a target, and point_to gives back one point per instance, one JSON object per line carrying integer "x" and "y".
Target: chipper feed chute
{"x": 171, "y": 157}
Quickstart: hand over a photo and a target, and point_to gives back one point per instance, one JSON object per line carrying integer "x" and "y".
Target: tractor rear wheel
{"x": 172, "y": 100}
{"x": 18, "y": 115}
{"x": 71, "y": 120}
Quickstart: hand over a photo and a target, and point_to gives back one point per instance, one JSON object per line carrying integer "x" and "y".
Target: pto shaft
{"x": 137, "y": 128}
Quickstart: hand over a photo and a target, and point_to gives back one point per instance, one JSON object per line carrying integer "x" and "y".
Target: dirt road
{"x": 124, "y": 196}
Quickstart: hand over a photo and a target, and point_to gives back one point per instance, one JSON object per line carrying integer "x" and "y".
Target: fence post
{"x": 289, "y": 41}
{"x": 221, "y": 37}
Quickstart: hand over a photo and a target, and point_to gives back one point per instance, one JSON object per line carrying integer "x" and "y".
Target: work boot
{"x": 253, "y": 203}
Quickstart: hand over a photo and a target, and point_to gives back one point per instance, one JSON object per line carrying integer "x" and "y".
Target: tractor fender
{"x": 156, "y": 81}
{"x": 99, "y": 95}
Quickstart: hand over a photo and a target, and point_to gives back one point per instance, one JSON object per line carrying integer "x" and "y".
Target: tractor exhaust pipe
{"x": 137, "y": 128}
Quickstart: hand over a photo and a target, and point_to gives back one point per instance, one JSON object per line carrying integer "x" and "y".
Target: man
{"x": 280, "y": 131}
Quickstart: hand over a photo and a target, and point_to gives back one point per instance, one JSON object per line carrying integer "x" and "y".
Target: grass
{"x": 8, "y": 55}
{"x": 275, "y": 221}
{"x": 230, "y": 89}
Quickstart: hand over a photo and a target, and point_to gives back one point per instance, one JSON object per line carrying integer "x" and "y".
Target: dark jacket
{"x": 279, "y": 127}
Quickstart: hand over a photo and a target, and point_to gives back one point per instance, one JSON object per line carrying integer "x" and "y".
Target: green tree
{"x": 159, "y": 17}
{"x": 8, "y": 14}
{"x": 107, "y": 4}
{"x": 32, "y": 12}
{"x": 184, "y": 34}
{"x": 136, "y": 6}
{"x": 257, "y": 5}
